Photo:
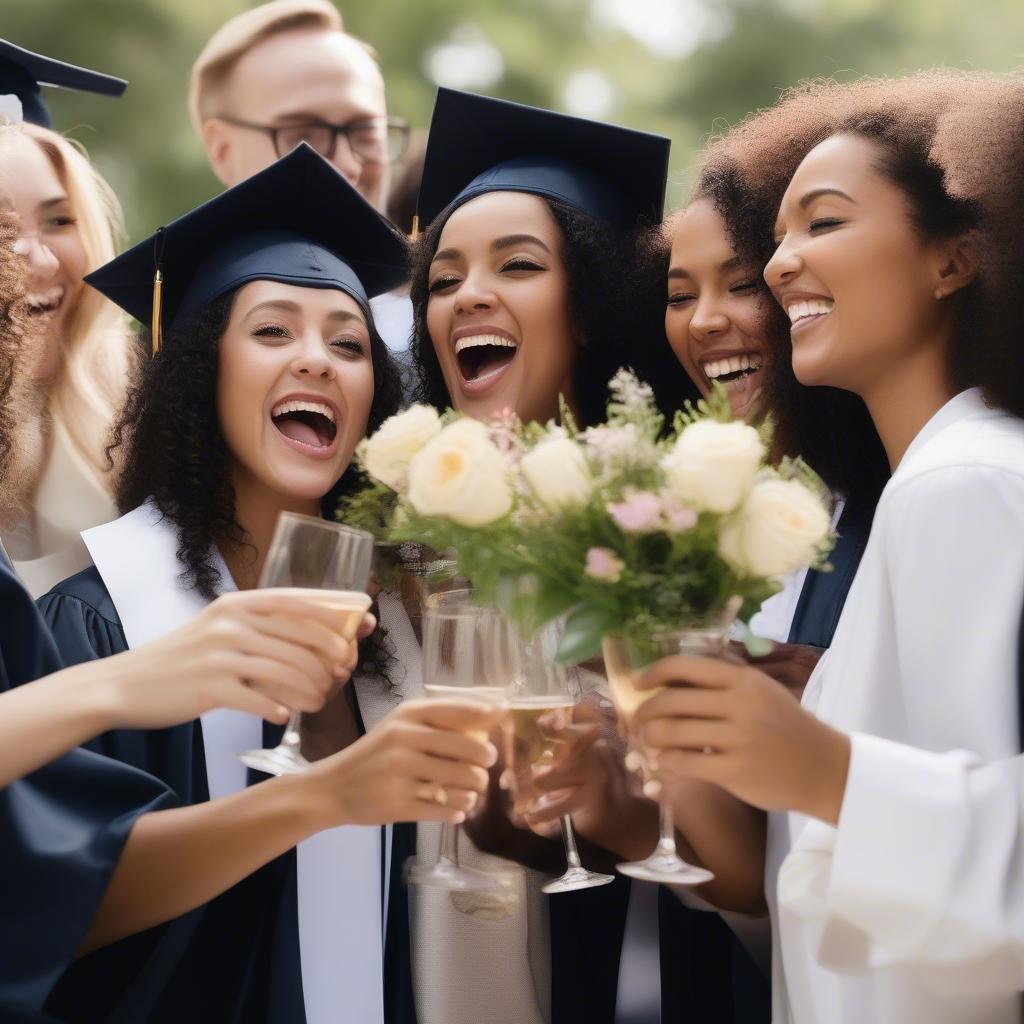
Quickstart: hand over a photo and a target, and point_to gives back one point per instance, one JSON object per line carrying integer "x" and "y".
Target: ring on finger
{"x": 434, "y": 794}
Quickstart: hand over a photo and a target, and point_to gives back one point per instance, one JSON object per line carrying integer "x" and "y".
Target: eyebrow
{"x": 816, "y": 193}
{"x": 505, "y": 242}
{"x": 55, "y": 201}
{"x": 287, "y": 306}
{"x": 733, "y": 263}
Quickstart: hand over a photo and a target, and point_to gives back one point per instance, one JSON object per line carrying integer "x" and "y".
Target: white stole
{"x": 339, "y": 883}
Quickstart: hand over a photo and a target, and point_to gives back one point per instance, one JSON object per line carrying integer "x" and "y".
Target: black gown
{"x": 706, "y": 973}
{"x": 236, "y": 959}
{"x": 62, "y": 829}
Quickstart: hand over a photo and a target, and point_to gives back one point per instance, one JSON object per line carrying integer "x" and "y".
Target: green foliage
{"x": 144, "y": 144}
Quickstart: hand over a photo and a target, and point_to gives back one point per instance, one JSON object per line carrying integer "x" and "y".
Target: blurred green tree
{"x": 683, "y": 67}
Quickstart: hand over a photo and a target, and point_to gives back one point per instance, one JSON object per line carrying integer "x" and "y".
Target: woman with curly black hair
{"x": 529, "y": 279}
{"x": 268, "y": 374}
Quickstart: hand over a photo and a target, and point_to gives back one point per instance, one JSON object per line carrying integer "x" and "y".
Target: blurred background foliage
{"x": 683, "y": 67}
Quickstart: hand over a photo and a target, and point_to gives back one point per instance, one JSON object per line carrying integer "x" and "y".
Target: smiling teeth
{"x": 300, "y": 405}
{"x": 715, "y": 368}
{"x": 478, "y": 340}
{"x": 43, "y": 302}
{"x": 813, "y": 307}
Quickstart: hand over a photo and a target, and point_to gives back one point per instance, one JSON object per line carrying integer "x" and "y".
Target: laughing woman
{"x": 265, "y": 375}
{"x": 70, "y": 224}
{"x": 898, "y": 257}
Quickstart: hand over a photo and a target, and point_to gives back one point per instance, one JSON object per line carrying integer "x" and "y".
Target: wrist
{"x": 827, "y": 775}
{"x": 322, "y": 792}
{"x": 88, "y": 693}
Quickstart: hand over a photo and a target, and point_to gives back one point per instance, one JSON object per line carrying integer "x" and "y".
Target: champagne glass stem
{"x": 667, "y": 830}
{"x": 572, "y": 854}
{"x": 450, "y": 843}
{"x": 292, "y": 738}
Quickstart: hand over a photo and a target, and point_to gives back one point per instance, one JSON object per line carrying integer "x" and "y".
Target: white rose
{"x": 387, "y": 454}
{"x": 460, "y": 474}
{"x": 778, "y": 530}
{"x": 712, "y": 464}
{"x": 557, "y": 472}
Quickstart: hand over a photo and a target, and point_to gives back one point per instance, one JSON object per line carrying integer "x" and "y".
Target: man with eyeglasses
{"x": 286, "y": 72}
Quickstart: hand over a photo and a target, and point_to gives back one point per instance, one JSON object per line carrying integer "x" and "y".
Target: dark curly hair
{"x": 830, "y": 428}
{"x": 175, "y": 453}
{"x": 610, "y": 276}
{"x": 951, "y": 141}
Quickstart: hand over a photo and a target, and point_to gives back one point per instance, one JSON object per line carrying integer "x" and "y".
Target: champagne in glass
{"x": 330, "y": 563}
{"x": 541, "y": 698}
{"x": 625, "y": 660}
{"x": 457, "y": 665}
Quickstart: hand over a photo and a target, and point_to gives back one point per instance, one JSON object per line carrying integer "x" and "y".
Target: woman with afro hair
{"x": 897, "y": 258}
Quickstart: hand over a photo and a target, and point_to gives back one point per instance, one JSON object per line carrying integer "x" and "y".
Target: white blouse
{"x": 925, "y": 656}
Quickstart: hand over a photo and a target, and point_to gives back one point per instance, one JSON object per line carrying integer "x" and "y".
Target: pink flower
{"x": 679, "y": 517}
{"x": 639, "y": 513}
{"x": 604, "y": 564}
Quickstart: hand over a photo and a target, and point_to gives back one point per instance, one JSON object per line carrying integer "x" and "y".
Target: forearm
{"x": 42, "y": 720}
{"x": 727, "y": 837}
{"x": 199, "y": 852}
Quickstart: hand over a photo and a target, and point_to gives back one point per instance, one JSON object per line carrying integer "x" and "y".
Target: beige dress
{"x": 46, "y": 546}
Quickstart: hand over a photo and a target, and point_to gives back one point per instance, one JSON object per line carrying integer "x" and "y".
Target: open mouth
{"x": 306, "y": 422}
{"x": 44, "y": 303}
{"x": 809, "y": 311}
{"x": 484, "y": 357}
{"x": 731, "y": 369}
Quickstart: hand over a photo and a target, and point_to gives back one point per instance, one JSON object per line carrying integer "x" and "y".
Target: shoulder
{"x": 85, "y": 588}
{"x": 82, "y": 617}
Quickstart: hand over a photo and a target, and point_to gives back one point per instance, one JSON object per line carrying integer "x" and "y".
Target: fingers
{"x": 455, "y": 746}
{"x": 279, "y": 682}
{"x": 288, "y": 601}
{"x": 680, "y": 702}
{"x": 298, "y": 665}
{"x": 461, "y": 716}
{"x": 680, "y": 670}
{"x": 327, "y": 644}
{"x": 695, "y": 734}
{"x": 440, "y": 771}
{"x": 686, "y": 763}
{"x": 550, "y": 810}
{"x": 241, "y": 697}
{"x": 367, "y": 626}
{"x": 424, "y": 810}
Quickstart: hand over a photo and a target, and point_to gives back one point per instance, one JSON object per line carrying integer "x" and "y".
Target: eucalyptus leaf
{"x": 585, "y": 628}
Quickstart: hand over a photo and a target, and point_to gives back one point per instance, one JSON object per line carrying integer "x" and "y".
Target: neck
{"x": 256, "y": 510}
{"x": 904, "y": 398}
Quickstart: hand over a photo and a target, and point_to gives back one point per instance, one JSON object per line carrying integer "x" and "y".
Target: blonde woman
{"x": 69, "y": 224}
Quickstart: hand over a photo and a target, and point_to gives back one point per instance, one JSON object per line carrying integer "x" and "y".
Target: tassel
{"x": 154, "y": 331}
{"x": 415, "y": 233}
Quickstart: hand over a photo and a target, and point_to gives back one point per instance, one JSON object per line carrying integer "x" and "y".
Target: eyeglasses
{"x": 377, "y": 140}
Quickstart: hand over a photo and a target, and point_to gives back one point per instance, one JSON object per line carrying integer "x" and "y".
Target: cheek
{"x": 357, "y": 388}
{"x": 242, "y": 387}
{"x": 71, "y": 254}
{"x": 439, "y": 314}
{"x": 677, "y": 330}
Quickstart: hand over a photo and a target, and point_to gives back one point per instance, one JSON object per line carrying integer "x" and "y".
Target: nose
{"x": 784, "y": 265}
{"x": 473, "y": 296}
{"x": 708, "y": 321}
{"x": 313, "y": 360}
{"x": 42, "y": 263}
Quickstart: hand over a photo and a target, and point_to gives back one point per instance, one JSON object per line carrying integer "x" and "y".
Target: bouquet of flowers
{"x": 622, "y": 527}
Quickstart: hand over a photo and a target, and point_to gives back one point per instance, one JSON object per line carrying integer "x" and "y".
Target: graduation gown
{"x": 62, "y": 829}
{"x": 238, "y": 957}
{"x": 924, "y": 662}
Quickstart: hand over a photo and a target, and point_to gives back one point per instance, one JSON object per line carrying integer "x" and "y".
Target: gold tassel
{"x": 415, "y": 233}
{"x": 154, "y": 331}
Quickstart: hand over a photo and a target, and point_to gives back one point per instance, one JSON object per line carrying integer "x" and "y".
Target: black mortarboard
{"x": 298, "y": 221}
{"x": 478, "y": 144}
{"x": 22, "y": 72}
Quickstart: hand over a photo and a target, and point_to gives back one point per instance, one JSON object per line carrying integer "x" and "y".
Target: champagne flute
{"x": 625, "y": 658}
{"x": 541, "y": 698}
{"x": 314, "y": 555}
{"x": 457, "y": 665}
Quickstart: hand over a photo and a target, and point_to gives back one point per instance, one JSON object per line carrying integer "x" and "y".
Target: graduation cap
{"x": 22, "y": 72}
{"x": 298, "y": 221}
{"x": 478, "y": 144}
